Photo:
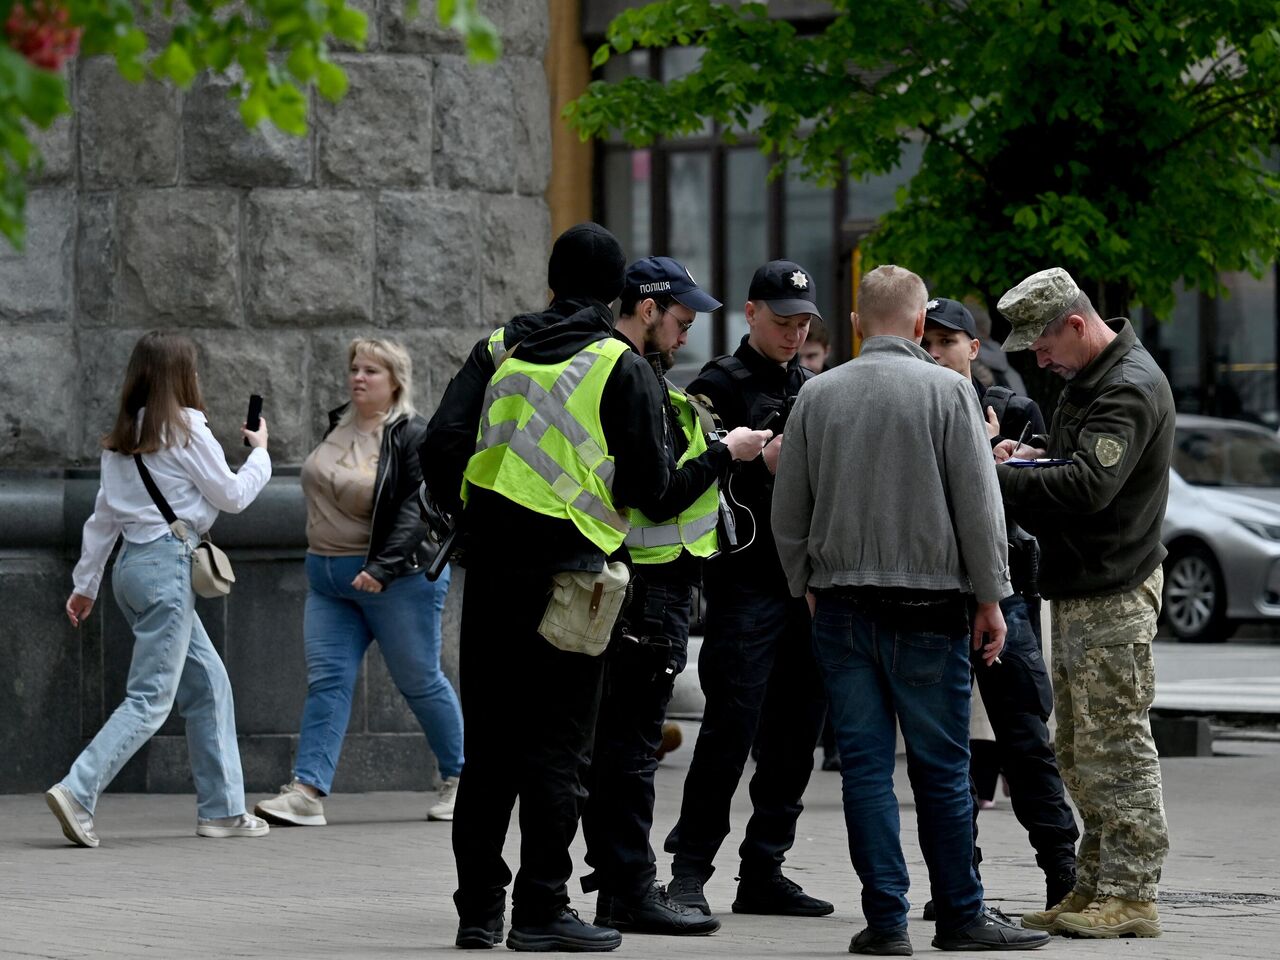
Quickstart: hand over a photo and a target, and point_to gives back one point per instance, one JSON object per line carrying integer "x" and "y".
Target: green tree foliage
{"x": 1132, "y": 143}
{"x": 274, "y": 50}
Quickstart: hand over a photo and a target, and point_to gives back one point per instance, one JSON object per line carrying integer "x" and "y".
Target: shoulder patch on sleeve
{"x": 1108, "y": 450}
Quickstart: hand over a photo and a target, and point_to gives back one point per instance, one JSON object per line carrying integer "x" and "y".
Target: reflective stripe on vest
{"x": 497, "y": 345}
{"x": 533, "y": 449}
{"x": 695, "y": 528}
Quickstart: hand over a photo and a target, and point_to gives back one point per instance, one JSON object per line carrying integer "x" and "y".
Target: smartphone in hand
{"x": 253, "y": 419}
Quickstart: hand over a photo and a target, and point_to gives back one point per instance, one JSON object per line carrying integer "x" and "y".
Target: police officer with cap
{"x": 660, "y": 302}
{"x": 1098, "y": 519}
{"x": 756, "y": 666}
{"x": 1015, "y": 692}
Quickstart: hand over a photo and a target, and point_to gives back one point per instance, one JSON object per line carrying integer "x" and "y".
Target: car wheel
{"x": 1195, "y": 600}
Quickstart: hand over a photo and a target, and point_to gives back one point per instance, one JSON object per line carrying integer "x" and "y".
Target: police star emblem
{"x": 1108, "y": 450}
{"x": 799, "y": 280}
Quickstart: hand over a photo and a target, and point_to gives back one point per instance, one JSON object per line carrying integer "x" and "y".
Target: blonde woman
{"x": 161, "y": 426}
{"x": 365, "y": 554}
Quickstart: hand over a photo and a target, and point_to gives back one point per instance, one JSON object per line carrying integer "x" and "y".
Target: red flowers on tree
{"x": 41, "y": 31}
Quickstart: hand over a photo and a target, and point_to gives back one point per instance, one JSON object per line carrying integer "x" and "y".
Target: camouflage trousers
{"x": 1103, "y": 685}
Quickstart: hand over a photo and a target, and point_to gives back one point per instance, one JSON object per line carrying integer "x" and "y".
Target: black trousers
{"x": 1019, "y": 698}
{"x": 529, "y": 712}
{"x": 757, "y": 671}
{"x": 619, "y": 812}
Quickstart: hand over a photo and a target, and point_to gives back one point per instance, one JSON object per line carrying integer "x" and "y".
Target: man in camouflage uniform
{"x": 1098, "y": 520}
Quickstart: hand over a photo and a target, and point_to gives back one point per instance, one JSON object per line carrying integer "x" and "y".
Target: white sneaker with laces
{"x": 292, "y": 807}
{"x": 245, "y": 825}
{"x": 442, "y": 809}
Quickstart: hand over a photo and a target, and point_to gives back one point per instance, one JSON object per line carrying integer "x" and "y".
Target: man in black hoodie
{"x": 530, "y": 708}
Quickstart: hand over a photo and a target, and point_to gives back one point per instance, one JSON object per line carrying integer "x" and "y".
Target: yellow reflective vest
{"x": 695, "y": 528}
{"x": 541, "y": 443}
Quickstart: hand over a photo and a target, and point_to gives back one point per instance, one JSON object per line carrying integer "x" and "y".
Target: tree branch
{"x": 1209, "y": 123}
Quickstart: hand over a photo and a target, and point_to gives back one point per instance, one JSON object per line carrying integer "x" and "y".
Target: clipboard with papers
{"x": 1042, "y": 462}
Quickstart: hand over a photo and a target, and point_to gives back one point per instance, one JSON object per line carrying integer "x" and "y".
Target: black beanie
{"x": 587, "y": 260}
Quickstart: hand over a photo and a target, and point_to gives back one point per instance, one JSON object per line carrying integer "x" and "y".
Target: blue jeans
{"x": 876, "y": 672}
{"x": 338, "y": 625}
{"x": 173, "y": 662}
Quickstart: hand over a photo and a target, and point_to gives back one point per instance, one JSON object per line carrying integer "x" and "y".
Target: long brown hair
{"x": 161, "y": 376}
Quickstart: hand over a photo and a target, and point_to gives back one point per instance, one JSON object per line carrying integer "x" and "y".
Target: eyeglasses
{"x": 683, "y": 324}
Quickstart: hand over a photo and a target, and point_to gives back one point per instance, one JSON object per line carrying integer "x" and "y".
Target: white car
{"x": 1222, "y": 528}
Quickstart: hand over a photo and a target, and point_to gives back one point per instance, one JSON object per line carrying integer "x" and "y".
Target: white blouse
{"x": 196, "y": 481}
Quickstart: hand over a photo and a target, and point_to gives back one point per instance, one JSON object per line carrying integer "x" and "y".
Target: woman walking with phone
{"x": 161, "y": 418}
{"x": 366, "y": 553}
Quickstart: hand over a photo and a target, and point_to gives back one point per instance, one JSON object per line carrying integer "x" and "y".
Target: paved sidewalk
{"x": 377, "y": 881}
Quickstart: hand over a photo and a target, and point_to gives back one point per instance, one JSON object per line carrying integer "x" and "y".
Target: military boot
{"x": 1047, "y": 919}
{"x": 1112, "y": 917}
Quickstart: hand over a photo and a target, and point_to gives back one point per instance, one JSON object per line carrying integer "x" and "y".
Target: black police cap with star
{"x": 786, "y": 287}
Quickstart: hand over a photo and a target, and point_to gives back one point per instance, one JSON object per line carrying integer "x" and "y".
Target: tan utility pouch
{"x": 583, "y": 609}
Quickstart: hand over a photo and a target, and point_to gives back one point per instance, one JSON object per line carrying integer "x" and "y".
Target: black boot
{"x": 479, "y": 934}
{"x": 778, "y": 896}
{"x": 882, "y": 943}
{"x": 1057, "y": 887}
{"x": 567, "y": 932}
{"x": 685, "y": 888}
{"x": 656, "y": 912}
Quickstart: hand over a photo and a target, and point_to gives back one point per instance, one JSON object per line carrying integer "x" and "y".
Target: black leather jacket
{"x": 397, "y": 536}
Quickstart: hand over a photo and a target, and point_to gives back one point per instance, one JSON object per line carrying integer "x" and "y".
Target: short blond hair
{"x": 399, "y": 364}
{"x": 890, "y": 298}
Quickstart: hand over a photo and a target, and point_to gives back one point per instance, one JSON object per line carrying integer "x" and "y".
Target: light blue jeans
{"x": 339, "y": 624}
{"x": 173, "y": 662}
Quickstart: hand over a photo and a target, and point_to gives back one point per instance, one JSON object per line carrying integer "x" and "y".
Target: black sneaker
{"x": 479, "y": 934}
{"x": 882, "y": 943}
{"x": 930, "y": 912}
{"x": 778, "y": 896}
{"x": 687, "y": 889}
{"x": 566, "y": 932}
{"x": 656, "y": 912}
{"x": 991, "y": 930}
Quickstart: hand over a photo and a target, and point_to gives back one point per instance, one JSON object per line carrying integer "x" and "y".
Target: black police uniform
{"x": 1018, "y": 698}
{"x": 756, "y": 666}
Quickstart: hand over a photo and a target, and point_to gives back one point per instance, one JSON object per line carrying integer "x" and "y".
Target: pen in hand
{"x": 1021, "y": 437}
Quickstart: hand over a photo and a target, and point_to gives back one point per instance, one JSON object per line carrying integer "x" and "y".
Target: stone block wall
{"x": 412, "y": 209}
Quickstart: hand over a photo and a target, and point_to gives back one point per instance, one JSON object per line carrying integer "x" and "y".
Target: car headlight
{"x": 1267, "y": 531}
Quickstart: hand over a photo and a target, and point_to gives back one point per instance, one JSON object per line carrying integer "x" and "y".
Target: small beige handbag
{"x": 211, "y": 573}
{"x": 583, "y": 609}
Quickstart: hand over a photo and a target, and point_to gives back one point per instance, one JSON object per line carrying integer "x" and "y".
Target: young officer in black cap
{"x": 756, "y": 666}
{"x": 1016, "y": 692}
{"x": 660, "y": 302}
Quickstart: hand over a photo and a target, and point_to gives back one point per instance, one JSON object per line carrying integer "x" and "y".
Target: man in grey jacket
{"x": 887, "y": 513}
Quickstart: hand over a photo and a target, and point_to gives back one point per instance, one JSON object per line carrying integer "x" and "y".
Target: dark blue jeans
{"x": 877, "y": 670}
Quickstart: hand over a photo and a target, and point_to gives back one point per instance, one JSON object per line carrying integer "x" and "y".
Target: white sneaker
{"x": 245, "y": 825}
{"x": 442, "y": 809}
{"x": 77, "y": 822}
{"x": 292, "y": 808}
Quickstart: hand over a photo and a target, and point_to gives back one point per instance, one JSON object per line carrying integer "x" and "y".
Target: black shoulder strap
{"x": 156, "y": 496}
{"x": 997, "y": 398}
{"x": 732, "y": 366}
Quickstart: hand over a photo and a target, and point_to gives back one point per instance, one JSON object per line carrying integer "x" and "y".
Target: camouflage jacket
{"x": 1098, "y": 520}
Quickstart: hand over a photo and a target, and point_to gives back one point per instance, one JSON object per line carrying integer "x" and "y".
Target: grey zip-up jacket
{"x": 886, "y": 479}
